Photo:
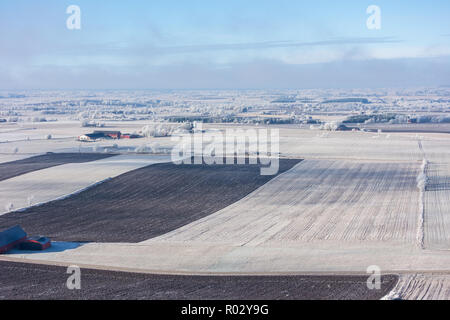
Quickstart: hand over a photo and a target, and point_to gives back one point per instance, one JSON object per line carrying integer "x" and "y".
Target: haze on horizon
{"x": 231, "y": 45}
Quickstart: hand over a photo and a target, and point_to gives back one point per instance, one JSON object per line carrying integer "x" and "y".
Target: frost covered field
{"x": 353, "y": 202}
{"x": 225, "y": 150}
{"x": 27, "y": 139}
{"x": 331, "y": 215}
{"x": 422, "y": 287}
{"x": 319, "y": 201}
{"x": 437, "y": 207}
{"x": 56, "y": 182}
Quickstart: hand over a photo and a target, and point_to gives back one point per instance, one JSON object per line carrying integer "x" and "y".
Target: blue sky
{"x": 223, "y": 44}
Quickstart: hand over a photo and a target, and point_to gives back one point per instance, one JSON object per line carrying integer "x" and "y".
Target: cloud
{"x": 274, "y": 44}
{"x": 37, "y": 48}
{"x": 264, "y": 74}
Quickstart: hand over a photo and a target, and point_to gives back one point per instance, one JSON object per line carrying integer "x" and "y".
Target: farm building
{"x": 343, "y": 127}
{"x": 130, "y": 136}
{"x": 90, "y": 137}
{"x": 107, "y": 135}
{"x": 11, "y": 237}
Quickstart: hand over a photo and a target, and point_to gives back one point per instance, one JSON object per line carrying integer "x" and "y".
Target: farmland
{"x": 319, "y": 200}
{"x": 143, "y": 203}
{"x": 353, "y": 201}
{"x": 318, "y": 216}
{"x": 49, "y": 283}
{"x": 19, "y": 167}
{"x": 437, "y": 207}
{"x": 332, "y": 216}
{"x": 422, "y": 287}
{"x": 37, "y": 187}
{"x": 225, "y": 150}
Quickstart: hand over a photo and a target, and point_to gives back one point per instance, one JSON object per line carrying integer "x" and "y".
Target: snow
{"x": 434, "y": 286}
{"x": 358, "y": 199}
{"x": 58, "y": 182}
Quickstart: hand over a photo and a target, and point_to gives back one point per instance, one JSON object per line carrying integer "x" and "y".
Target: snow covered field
{"x": 348, "y": 145}
{"x": 53, "y": 183}
{"x": 29, "y": 139}
{"x": 352, "y": 203}
{"x": 322, "y": 216}
{"x": 12, "y": 157}
{"x": 319, "y": 201}
{"x": 422, "y": 287}
{"x": 437, "y": 207}
{"x": 294, "y": 141}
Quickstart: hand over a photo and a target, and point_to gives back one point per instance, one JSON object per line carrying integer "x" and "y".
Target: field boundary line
{"x": 211, "y": 273}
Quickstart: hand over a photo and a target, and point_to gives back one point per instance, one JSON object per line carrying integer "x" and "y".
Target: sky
{"x": 233, "y": 44}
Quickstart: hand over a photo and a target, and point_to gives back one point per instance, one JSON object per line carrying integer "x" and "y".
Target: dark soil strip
{"x": 143, "y": 203}
{"x": 16, "y": 168}
{"x": 31, "y": 281}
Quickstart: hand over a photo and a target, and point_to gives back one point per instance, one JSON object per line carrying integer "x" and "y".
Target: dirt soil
{"x": 16, "y": 168}
{"x": 32, "y": 281}
{"x": 143, "y": 203}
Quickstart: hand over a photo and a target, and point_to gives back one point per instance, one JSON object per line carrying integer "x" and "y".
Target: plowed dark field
{"x": 16, "y": 168}
{"x": 31, "y": 281}
{"x": 143, "y": 203}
